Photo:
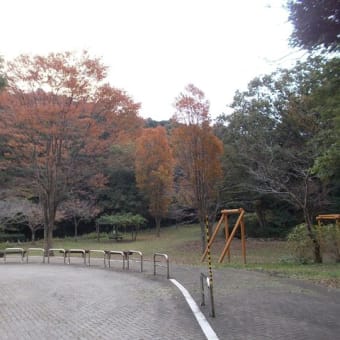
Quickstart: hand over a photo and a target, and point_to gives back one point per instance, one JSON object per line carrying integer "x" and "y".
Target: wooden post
{"x": 226, "y": 248}
{"x": 212, "y": 238}
{"x": 229, "y": 237}
{"x": 243, "y": 240}
{"x": 226, "y": 230}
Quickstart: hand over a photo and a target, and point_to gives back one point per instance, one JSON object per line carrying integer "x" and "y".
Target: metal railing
{"x": 164, "y": 256}
{"x": 109, "y": 253}
{"x": 20, "y": 251}
{"x": 128, "y": 256}
{"x": 52, "y": 250}
{"x": 82, "y": 252}
{"x": 97, "y": 252}
{"x": 34, "y": 250}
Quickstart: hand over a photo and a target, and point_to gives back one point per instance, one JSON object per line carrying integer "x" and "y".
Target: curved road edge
{"x": 202, "y": 321}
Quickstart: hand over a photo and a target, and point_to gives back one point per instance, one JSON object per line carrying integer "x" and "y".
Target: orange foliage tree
{"x": 59, "y": 119}
{"x": 197, "y": 151}
{"x": 154, "y": 171}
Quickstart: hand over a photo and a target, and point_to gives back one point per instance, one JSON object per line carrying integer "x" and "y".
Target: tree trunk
{"x": 309, "y": 222}
{"x": 158, "y": 226}
{"x": 260, "y": 214}
{"x": 316, "y": 244}
{"x": 75, "y": 229}
{"x": 203, "y": 235}
{"x": 33, "y": 235}
{"x": 48, "y": 236}
{"x": 97, "y": 231}
{"x": 49, "y": 218}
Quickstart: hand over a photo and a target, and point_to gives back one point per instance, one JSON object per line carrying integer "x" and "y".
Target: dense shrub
{"x": 12, "y": 237}
{"x": 274, "y": 227}
{"x": 301, "y": 245}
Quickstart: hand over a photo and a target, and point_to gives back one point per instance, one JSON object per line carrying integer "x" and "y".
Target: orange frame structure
{"x": 335, "y": 217}
{"x": 239, "y": 224}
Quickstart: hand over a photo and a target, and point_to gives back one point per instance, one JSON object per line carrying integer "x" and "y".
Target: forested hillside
{"x": 74, "y": 148}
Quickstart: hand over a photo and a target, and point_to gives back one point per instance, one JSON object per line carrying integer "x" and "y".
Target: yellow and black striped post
{"x": 210, "y": 275}
{"x": 208, "y": 251}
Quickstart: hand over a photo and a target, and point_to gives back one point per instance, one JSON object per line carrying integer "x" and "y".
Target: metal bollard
{"x": 167, "y": 263}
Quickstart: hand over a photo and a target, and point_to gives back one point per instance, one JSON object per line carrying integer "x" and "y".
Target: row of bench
{"x": 125, "y": 256}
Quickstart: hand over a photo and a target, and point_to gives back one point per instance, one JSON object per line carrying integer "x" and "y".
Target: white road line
{"x": 204, "y": 324}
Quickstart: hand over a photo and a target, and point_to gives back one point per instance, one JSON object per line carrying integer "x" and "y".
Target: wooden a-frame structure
{"x": 239, "y": 224}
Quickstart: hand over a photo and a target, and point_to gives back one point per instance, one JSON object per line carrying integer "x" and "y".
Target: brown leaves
{"x": 191, "y": 107}
{"x": 197, "y": 150}
{"x": 59, "y": 119}
{"x": 154, "y": 169}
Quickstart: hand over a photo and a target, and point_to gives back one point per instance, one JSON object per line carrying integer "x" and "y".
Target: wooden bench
{"x": 114, "y": 236}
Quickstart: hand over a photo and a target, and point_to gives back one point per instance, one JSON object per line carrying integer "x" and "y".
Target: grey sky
{"x": 154, "y": 48}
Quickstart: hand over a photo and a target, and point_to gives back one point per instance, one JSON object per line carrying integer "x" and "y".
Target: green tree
{"x": 316, "y": 24}
{"x": 276, "y": 134}
{"x": 2, "y": 76}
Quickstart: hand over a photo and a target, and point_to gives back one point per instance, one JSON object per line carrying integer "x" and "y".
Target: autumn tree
{"x": 197, "y": 151}
{"x": 60, "y": 119}
{"x": 79, "y": 210}
{"x": 33, "y": 217}
{"x": 21, "y": 211}
{"x": 154, "y": 171}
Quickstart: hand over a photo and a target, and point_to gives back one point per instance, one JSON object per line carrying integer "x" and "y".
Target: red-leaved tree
{"x": 197, "y": 152}
{"x": 59, "y": 119}
{"x": 154, "y": 171}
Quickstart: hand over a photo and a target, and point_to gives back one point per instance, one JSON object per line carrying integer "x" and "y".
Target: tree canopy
{"x": 59, "y": 120}
{"x": 277, "y": 134}
{"x": 154, "y": 171}
{"x": 316, "y": 24}
{"x": 197, "y": 152}
{"x": 2, "y": 77}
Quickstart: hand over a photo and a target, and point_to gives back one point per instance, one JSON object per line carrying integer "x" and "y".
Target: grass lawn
{"x": 182, "y": 244}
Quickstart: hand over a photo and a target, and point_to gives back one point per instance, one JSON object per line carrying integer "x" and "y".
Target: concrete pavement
{"x": 59, "y": 301}
{"x": 40, "y": 301}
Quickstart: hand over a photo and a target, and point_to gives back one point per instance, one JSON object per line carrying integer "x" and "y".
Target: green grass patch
{"x": 183, "y": 246}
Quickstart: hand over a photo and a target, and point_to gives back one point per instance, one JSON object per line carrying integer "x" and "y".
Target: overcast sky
{"x": 154, "y": 48}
